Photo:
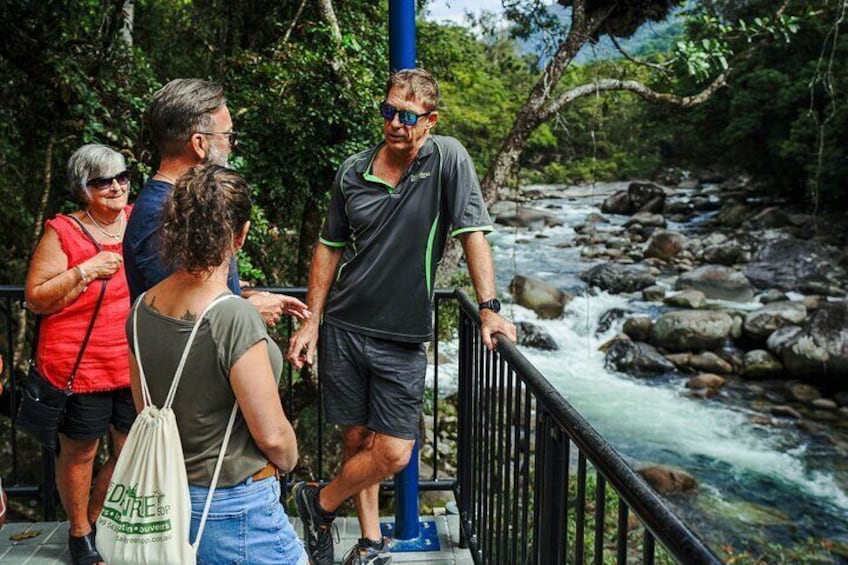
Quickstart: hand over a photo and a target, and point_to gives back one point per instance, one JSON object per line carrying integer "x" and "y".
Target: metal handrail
{"x": 556, "y": 416}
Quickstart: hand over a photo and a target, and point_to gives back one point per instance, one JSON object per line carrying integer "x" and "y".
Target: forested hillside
{"x": 304, "y": 80}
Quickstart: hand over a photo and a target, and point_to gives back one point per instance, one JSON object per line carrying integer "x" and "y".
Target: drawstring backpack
{"x": 146, "y": 516}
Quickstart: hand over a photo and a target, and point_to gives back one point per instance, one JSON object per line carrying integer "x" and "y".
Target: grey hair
{"x": 181, "y": 108}
{"x": 416, "y": 84}
{"x": 92, "y": 161}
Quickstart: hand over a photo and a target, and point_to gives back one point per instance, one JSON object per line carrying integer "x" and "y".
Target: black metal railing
{"x": 537, "y": 484}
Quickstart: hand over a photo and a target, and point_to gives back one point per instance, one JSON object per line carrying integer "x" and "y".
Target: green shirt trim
{"x": 332, "y": 243}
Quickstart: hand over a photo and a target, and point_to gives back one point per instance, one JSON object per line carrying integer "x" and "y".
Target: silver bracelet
{"x": 83, "y": 275}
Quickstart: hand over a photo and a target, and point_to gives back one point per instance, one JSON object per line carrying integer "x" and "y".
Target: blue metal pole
{"x": 402, "y": 56}
{"x": 401, "y": 34}
{"x": 407, "y": 526}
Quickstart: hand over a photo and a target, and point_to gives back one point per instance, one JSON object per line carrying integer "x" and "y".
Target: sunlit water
{"x": 756, "y": 484}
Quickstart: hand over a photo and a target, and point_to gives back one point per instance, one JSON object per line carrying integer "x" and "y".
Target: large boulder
{"x": 795, "y": 264}
{"x": 717, "y": 282}
{"x": 691, "y": 330}
{"x": 545, "y": 299}
{"x": 761, "y": 323}
{"x": 617, "y": 278}
{"x": 637, "y": 196}
{"x": 820, "y": 348}
{"x": 638, "y": 359}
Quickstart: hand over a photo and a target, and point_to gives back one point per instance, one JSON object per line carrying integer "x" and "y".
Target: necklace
{"x": 168, "y": 178}
{"x": 115, "y": 236}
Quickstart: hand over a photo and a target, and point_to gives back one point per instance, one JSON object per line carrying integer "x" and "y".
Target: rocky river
{"x": 700, "y": 326}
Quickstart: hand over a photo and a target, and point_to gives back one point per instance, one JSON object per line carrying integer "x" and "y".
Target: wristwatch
{"x": 494, "y": 305}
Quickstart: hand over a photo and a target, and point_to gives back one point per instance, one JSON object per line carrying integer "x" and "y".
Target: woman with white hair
{"x": 76, "y": 283}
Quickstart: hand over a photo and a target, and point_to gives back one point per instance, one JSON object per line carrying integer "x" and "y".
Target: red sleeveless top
{"x": 105, "y": 364}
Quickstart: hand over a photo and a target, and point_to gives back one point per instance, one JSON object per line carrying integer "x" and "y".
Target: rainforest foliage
{"x": 305, "y": 95}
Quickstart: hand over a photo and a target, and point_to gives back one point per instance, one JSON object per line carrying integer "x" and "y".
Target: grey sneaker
{"x": 367, "y": 552}
{"x": 316, "y": 529}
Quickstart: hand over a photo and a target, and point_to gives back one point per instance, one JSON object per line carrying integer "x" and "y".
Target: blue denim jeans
{"x": 246, "y": 524}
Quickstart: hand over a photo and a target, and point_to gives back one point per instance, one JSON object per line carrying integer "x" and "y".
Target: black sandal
{"x": 83, "y": 551}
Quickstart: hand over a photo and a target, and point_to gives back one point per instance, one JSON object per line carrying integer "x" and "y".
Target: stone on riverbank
{"x": 545, "y": 299}
{"x": 691, "y": 330}
{"x": 668, "y": 480}
{"x": 759, "y": 324}
{"x": 717, "y": 282}
{"x": 638, "y": 359}
{"x": 616, "y": 278}
{"x": 531, "y": 335}
{"x": 759, "y": 363}
{"x": 693, "y": 299}
{"x": 634, "y": 199}
{"x": 665, "y": 245}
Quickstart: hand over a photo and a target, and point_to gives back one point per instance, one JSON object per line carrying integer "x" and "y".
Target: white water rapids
{"x": 757, "y": 484}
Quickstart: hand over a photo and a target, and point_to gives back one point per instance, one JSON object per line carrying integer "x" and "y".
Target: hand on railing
{"x": 492, "y": 324}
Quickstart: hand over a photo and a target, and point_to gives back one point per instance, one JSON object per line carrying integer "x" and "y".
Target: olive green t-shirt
{"x": 204, "y": 398}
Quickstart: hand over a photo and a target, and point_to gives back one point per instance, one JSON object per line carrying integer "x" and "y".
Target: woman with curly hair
{"x": 232, "y": 359}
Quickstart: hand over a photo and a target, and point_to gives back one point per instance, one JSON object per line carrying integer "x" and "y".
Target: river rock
{"x": 646, "y": 220}
{"x": 638, "y": 328}
{"x": 653, "y": 293}
{"x": 633, "y": 199}
{"x": 759, "y": 324}
{"x": 782, "y": 338}
{"x": 793, "y": 264}
{"x": 528, "y": 218}
{"x": 824, "y": 404}
{"x": 728, "y": 254}
{"x": 531, "y": 335}
{"x": 710, "y": 362}
{"x": 545, "y": 299}
{"x": 693, "y": 299}
{"x": 717, "y": 282}
{"x": 784, "y": 411}
{"x": 759, "y": 363}
{"x": 732, "y": 214}
{"x": 665, "y": 245}
{"x": 803, "y": 392}
{"x": 708, "y": 381}
{"x": 820, "y": 349}
{"x": 668, "y": 480}
{"x": 638, "y": 359}
{"x": 689, "y": 330}
{"x": 772, "y": 295}
{"x": 617, "y": 278}
{"x": 608, "y": 318}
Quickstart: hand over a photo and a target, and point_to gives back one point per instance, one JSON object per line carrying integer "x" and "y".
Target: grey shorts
{"x": 371, "y": 382}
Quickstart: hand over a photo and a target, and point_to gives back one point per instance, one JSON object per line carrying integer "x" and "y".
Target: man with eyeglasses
{"x": 371, "y": 287}
{"x": 191, "y": 125}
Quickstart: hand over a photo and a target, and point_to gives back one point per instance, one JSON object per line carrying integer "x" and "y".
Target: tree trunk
{"x": 20, "y": 337}
{"x": 127, "y": 18}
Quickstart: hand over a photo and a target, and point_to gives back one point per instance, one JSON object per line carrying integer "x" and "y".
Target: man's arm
{"x": 273, "y": 306}
{"x": 322, "y": 272}
{"x": 478, "y": 255}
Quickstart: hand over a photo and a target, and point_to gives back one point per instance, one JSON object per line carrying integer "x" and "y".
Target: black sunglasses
{"x": 103, "y": 183}
{"x": 232, "y": 136}
{"x": 406, "y": 117}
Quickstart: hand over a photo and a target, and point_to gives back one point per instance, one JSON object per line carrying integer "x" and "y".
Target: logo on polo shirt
{"x": 417, "y": 176}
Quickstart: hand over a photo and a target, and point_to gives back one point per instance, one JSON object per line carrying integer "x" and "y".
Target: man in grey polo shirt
{"x": 371, "y": 282}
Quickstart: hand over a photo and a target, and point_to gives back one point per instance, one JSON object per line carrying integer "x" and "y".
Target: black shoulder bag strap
{"x": 93, "y": 316}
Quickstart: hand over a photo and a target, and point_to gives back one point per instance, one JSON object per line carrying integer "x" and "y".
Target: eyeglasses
{"x": 232, "y": 136}
{"x": 406, "y": 117}
{"x": 104, "y": 183}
